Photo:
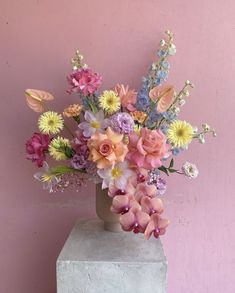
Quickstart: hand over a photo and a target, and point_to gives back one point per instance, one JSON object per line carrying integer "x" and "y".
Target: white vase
{"x": 103, "y": 204}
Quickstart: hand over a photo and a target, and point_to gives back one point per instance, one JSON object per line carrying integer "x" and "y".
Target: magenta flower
{"x": 151, "y": 205}
{"x": 36, "y": 148}
{"x": 156, "y": 226}
{"x": 135, "y": 220}
{"x": 84, "y": 81}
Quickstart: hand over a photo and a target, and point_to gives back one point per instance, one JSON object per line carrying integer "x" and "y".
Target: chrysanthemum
{"x": 180, "y": 133}
{"x": 57, "y": 148}
{"x": 50, "y": 122}
{"x": 110, "y": 102}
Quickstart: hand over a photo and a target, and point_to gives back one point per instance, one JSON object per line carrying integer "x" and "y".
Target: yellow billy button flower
{"x": 50, "y": 122}
{"x": 109, "y": 102}
{"x": 57, "y": 148}
{"x": 180, "y": 133}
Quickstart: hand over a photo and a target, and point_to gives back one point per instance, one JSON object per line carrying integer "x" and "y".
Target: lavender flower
{"x": 160, "y": 183}
{"x": 122, "y": 123}
{"x": 78, "y": 162}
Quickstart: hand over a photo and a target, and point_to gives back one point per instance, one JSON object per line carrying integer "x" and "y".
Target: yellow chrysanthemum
{"x": 110, "y": 102}
{"x": 180, "y": 133}
{"x": 57, "y": 148}
{"x": 50, "y": 122}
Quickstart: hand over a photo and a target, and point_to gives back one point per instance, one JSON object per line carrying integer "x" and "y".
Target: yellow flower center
{"x": 50, "y": 122}
{"x": 180, "y": 133}
{"x": 46, "y": 177}
{"x": 116, "y": 172}
{"x": 95, "y": 124}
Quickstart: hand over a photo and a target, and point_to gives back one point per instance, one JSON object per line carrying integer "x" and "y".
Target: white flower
{"x": 118, "y": 175}
{"x": 94, "y": 122}
{"x": 190, "y": 170}
{"x": 172, "y": 49}
{"x": 49, "y": 180}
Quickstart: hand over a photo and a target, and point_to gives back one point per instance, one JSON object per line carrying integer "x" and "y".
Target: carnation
{"x": 84, "y": 81}
{"x": 122, "y": 123}
{"x": 36, "y": 148}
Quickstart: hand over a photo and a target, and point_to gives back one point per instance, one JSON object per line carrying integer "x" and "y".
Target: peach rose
{"x": 107, "y": 149}
{"x": 147, "y": 149}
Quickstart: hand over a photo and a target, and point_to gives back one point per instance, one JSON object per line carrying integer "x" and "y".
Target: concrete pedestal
{"x": 96, "y": 261}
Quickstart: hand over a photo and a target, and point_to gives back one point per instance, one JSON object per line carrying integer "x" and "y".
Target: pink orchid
{"x": 143, "y": 189}
{"x": 127, "y": 97}
{"x": 135, "y": 220}
{"x": 147, "y": 149}
{"x": 151, "y": 205}
{"x": 156, "y": 226}
{"x": 123, "y": 203}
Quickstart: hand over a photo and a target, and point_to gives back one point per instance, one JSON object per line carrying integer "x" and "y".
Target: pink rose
{"x": 147, "y": 149}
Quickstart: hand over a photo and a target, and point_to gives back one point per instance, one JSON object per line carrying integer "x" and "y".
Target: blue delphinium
{"x": 143, "y": 100}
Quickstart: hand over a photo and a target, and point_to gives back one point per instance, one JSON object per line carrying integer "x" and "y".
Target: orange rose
{"x": 107, "y": 149}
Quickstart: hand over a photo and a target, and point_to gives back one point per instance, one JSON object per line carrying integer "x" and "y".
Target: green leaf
{"x": 171, "y": 163}
{"x": 68, "y": 152}
{"x": 163, "y": 169}
{"x": 172, "y": 170}
{"x": 93, "y": 107}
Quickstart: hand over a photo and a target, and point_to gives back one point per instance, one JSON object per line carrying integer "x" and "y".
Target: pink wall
{"x": 118, "y": 39}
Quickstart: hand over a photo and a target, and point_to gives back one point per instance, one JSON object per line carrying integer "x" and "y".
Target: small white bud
{"x": 201, "y": 139}
{"x": 162, "y": 43}
{"x": 206, "y": 127}
{"x": 182, "y": 102}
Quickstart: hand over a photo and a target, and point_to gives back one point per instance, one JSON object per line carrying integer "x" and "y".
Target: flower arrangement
{"x": 124, "y": 139}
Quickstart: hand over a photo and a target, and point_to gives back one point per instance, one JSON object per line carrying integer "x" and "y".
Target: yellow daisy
{"x": 50, "y": 122}
{"x": 180, "y": 133}
{"x": 57, "y": 148}
{"x": 110, "y": 102}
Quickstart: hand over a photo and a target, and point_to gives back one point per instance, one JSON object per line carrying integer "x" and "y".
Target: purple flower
{"x": 122, "y": 123}
{"x": 78, "y": 162}
{"x": 84, "y": 81}
{"x": 36, "y": 148}
{"x": 157, "y": 181}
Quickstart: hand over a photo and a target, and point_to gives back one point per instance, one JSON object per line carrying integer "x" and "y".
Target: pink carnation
{"x": 147, "y": 149}
{"x": 84, "y": 81}
{"x": 36, "y": 147}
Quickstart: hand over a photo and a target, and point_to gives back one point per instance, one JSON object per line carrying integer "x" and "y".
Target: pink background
{"x": 118, "y": 39}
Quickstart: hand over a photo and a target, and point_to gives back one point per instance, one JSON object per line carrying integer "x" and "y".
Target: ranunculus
{"x": 127, "y": 97}
{"x": 107, "y": 149}
{"x": 148, "y": 148}
{"x": 84, "y": 81}
{"x": 36, "y": 147}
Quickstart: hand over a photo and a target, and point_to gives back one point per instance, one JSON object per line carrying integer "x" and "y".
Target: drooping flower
{"x": 134, "y": 220}
{"x": 190, "y": 170}
{"x": 72, "y": 110}
{"x": 58, "y": 148}
{"x": 156, "y": 226}
{"x": 50, "y": 122}
{"x": 180, "y": 133}
{"x": 36, "y": 99}
{"x": 151, "y": 205}
{"x": 107, "y": 149}
{"x": 110, "y": 102}
{"x": 84, "y": 81}
{"x": 48, "y": 179}
{"x": 93, "y": 123}
{"x": 117, "y": 175}
{"x": 148, "y": 148}
{"x": 122, "y": 123}
{"x": 128, "y": 97}
{"x": 121, "y": 204}
{"x": 163, "y": 95}
{"x": 36, "y": 148}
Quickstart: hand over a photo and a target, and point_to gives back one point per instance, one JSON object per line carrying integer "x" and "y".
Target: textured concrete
{"x": 96, "y": 261}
